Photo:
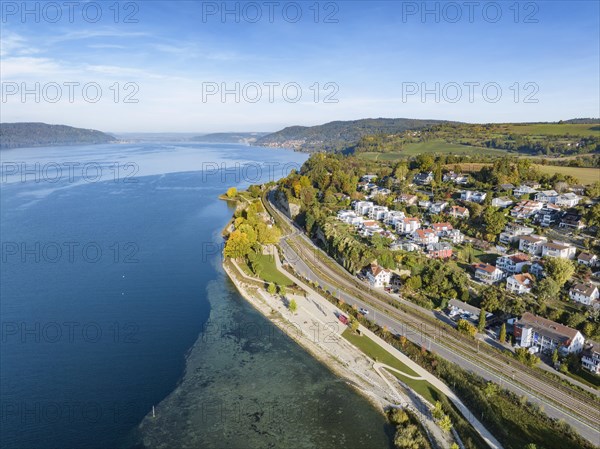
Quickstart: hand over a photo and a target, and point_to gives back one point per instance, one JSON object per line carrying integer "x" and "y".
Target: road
{"x": 570, "y": 406}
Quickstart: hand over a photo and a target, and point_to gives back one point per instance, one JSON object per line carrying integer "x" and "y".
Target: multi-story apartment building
{"x": 534, "y": 331}
{"x": 532, "y": 244}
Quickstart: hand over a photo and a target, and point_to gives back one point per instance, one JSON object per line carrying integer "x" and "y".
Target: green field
{"x": 434, "y": 147}
{"x": 270, "y": 273}
{"x": 546, "y": 129}
{"x": 376, "y": 352}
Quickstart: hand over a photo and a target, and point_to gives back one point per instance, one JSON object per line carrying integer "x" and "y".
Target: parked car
{"x": 363, "y": 311}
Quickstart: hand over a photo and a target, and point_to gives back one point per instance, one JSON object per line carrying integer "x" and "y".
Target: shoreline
{"x": 328, "y": 360}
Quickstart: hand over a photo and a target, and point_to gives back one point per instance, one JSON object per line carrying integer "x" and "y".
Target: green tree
{"x": 547, "y": 289}
{"x": 238, "y": 245}
{"x": 481, "y": 324}
{"x": 445, "y": 423}
{"x": 282, "y": 290}
{"x": 494, "y": 221}
{"x": 271, "y": 288}
{"x": 502, "y": 336}
{"x": 231, "y": 192}
{"x": 560, "y": 270}
{"x": 555, "y": 357}
{"x": 354, "y": 324}
{"x": 293, "y": 306}
{"x": 438, "y": 411}
{"x": 464, "y": 327}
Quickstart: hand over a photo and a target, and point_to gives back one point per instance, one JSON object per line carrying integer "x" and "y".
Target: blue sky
{"x": 538, "y": 61}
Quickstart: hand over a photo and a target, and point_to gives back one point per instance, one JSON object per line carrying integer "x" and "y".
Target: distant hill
{"x": 338, "y": 135}
{"x": 247, "y": 138}
{"x": 17, "y": 135}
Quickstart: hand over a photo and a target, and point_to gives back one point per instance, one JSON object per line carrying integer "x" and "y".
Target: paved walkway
{"x": 424, "y": 374}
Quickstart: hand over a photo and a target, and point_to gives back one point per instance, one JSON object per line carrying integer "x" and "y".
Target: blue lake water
{"x": 110, "y": 272}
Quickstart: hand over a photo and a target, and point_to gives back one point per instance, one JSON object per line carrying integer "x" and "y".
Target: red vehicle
{"x": 343, "y": 318}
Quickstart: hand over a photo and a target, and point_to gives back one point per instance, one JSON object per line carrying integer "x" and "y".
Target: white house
{"x": 378, "y": 276}
{"x": 502, "y": 202}
{"x": 532, "y": 244}
{"x": 547, "y": 196}
{"x": 425, "y": 236}
{"x": 567, "y": 200}
{"x": 512, "y": 232}
{"x": 473, "y": 196}
{"x": 513, "y": 263}
{"x": 526, "y": 209}
{"x": 455, "y": 236}
{"x": 459, "y": 212}
{"x": 378, "y": 212}
{"x": 558, "y": 249}
{"x": 407, "y": 199}
{"x": 408, "y": 225}
{"x": 363, "y": 207}
{"x": 589, "y": 259}
{"x": 523, "y": 190}
{"x": 520, "y": 283}
{"x": 442, "y": 229}
{"x": 487, "y": 273}
{"x": 423, "y": 179}
{"x": 546, "y": 335}
{"x": 393, "y": 217}
{"x": 590, "y": 358}
{"x": 438, "y": 207}
{"x": 584, "y": 293}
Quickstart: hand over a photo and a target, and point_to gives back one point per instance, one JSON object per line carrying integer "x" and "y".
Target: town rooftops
{"x": 464, "y": 306}
{"x": 547, "y": 327}
{"x": 376, "y": 269}
{"x": 584, "y": 289}
{"x": 556, "y": 245}
{"x": 586, "y": 257}
{"x": 524, "y": 279}
{"x": 485, "y": 267}
{"x": 532, "y": 238}
{"x": 519, "y": 257}
{"x": 422, "y": 233}
{"x": 459, "y": 209}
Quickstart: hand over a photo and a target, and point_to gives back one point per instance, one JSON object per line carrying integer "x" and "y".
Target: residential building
{"x": 512, "y": 232}
{"x": 520, "y": 283}
{"x": 425, "y": 236}
{"x": 459, "y": 212}
{"x": 404, "y": 246}
{"x": 438, "y": 207}
{"x": 379, "y": 191}
{"x": 473, "y": 196}
{"x": 567, "y": 200}
{"x": 423, "y": 179}
{"x": 549, "y": 214}
{"x": 369, "y": 227}
{"x": 456, "y": 178}
{"x": 378, "y": 212}
{"x": 368, "y": 178}
{"x": 571, "y": 221}
{"x": 590, "y": 357}
{"x": 487, "y": 273}
{"x": 523, "y": 190}
{"x": 408, "y": 225}
{"x": 546, "y": 335}
{"x": 585, "y": 294}
{"x": 350, "y": 217}
{"x": 455, "y": 236}
{"x": 378, "y": 276}
{"x": 425, "y": 204}
{"x": 512, "y": 264}
{"x": 407, "y": 199}
{"x": 532, "y": 244}
{"x": 558, "y": 249}
{"x": 537, "y": 269}
{"x": 547, "y": 196}
{"x": 442, "y": 229}
{"x": 463, "y": 310}
{"x": 589, "y": 259}
{"x": 363, "y": 207}
{"x": 502, "y": 202}
{"x": 440, "y": 250}
{"x": 506, "y": 188}
{"x": 393, "y": 217}
{"x": 526, "y": 209}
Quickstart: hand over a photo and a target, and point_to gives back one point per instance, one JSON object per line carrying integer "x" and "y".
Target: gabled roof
{"x": 548, "y": 327}
{"x": 485, "y": 267}
{"x": 588, "y": 257}
{"x": 524, "y": 279}
{"x": 584, "y": 289}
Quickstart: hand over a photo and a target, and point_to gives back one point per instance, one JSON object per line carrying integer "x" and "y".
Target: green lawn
{"x": 376, "y": 352}
{"x": 270, "y": 273}
{"x": 555, "y": 129}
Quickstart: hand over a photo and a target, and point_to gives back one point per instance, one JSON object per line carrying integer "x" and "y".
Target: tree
{"x": 282, "y": 290}
{"x": 354, "y": 324}
{"x": 481, "y": 324}
{"x": 530, "y": 446}
{"x": 238, "y": 245}
{"x": 445, "y": 423}
{"x": 555, "y": 357}
{"x": 547, "y": 289}
{"x": 494, "y": 221}
{"x": 491, "y": 389}
{"x": 293, "y": 306}
{"x": 454, "y": 446}
{"x": 437, "y": 412}
{"x": 231, "y": 192}
{"x": 560, "y": 270}
{"x": 271, "y": 288}
{"x": 464, "y": 327}
{"x": 502, "y": 336}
